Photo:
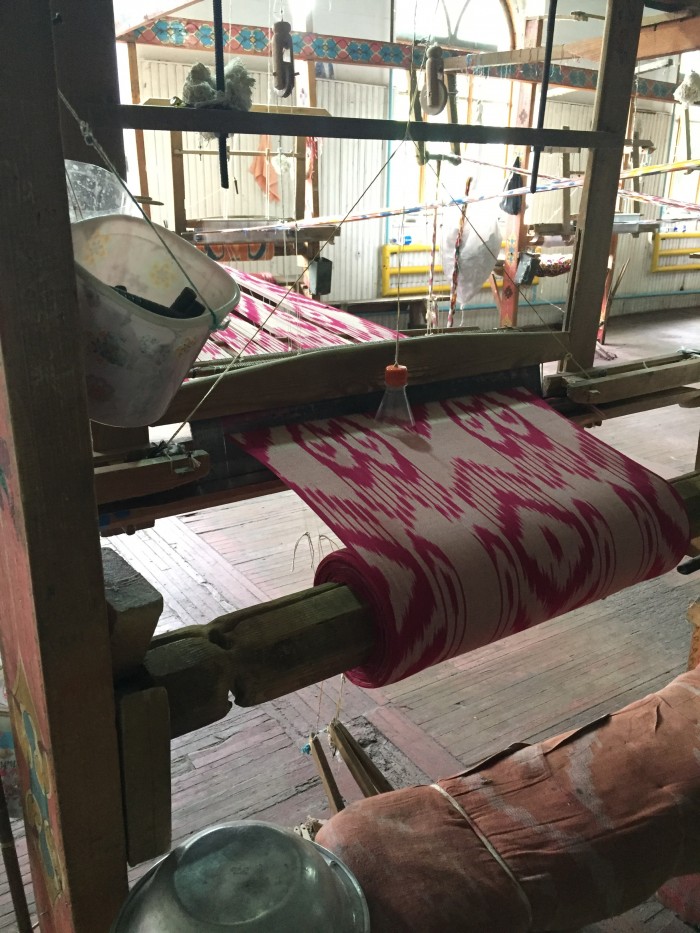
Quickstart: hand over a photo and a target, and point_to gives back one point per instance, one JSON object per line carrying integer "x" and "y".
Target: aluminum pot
{"x": 247, "y": 877}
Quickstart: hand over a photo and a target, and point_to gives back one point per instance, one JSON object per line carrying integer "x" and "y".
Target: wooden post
{"x": 596, "y": 216}
{"x": 515, "y": 225}
{"x": 608, "y": 292}
{"x": 178, "y": 167}
{"x": 86, "y": 70}
{"x": 566, "y": 194}
{"x": 138, "y": 134}
{"x": 53, "y": 620}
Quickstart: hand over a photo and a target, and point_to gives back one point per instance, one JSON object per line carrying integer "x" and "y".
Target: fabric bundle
{"x": 490, "y": 515}
{"x": 552, "y": 266}
{"x": 552, "y": 836}
{"x": 269, "y": 320}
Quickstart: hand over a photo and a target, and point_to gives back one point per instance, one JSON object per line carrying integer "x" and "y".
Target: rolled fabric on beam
{"x": 491, "y": 515}
{"x": 552, "y": 836}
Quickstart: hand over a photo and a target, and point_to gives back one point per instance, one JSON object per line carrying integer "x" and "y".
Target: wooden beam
{"x": 280, "y": 646}
{"x": 196, "y": 675}
{"x": 127, "y": 26}
{"x": 187, "y": 119}
{"x": 688, "y": 488}
{"x": 137, "y": 478}
{"x": 133, "y": 610}
{"x": 597, "y": 212}
{"x": 573, "y": 77}
{"x": 643, "y": 381}
{"x": 138, "y": 134}
{"x": 178, "y": 173}
{"x": 143, "y": 720}
{"x": 126, "y": 518}
{"x": 526, "y": 56}
{"x": 655, "y": 41}
{"x": 53, "y": 624}
{"x": 308, "y": 46}
{"x": 356, "y": 370}
{"x": 267, "y": 651}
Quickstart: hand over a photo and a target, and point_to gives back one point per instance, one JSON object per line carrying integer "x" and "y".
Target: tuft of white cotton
{"x": 688, "y": 91}
{"x": 199, "y": 89}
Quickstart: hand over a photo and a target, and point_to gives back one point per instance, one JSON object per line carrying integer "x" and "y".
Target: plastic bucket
{"x": 93, "y": 191}
{"x": 136, "y": 359}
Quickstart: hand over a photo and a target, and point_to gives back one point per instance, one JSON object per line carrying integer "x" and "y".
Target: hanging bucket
{"x": 136, "y": 359}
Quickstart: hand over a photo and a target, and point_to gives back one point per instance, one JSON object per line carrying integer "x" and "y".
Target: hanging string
{"x": 92, "y": 141}
{"x": 432, "y": 317}
{"x": 458, "y": 249}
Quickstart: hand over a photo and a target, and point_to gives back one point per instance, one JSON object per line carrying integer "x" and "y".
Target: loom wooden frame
{"x": 323, "y": 630}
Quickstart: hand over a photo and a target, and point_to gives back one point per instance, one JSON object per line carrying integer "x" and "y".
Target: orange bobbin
{"x": 396, "y": 376}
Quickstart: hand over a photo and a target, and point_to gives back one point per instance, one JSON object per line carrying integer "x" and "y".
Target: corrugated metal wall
{"x": 346, "y": 167}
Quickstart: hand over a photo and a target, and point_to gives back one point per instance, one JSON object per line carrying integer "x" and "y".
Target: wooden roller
{"x": 276, "y": 648}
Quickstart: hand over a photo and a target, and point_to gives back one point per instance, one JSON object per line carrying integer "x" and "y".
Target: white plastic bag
{"x": 481, "y": 243}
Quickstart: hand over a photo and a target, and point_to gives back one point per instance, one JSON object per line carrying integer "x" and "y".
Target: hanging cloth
{"x": 264, "y": 174}
{"x": 513, "y": 204}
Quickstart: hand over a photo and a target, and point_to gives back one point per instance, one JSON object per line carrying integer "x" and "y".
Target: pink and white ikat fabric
{"x": 491, "y": 515}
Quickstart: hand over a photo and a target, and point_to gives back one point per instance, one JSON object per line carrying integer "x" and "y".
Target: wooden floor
{"x": 558, "y": 675}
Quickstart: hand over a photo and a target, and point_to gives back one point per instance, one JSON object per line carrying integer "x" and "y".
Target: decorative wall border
{"x": 198, "y": 35}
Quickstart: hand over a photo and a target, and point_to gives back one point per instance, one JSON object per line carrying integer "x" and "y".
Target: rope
{"x": 458, "y": 249}
{"x": 432, "y": 313}
{"x": 493, "y": 852}
{"x": 91, "y": 140}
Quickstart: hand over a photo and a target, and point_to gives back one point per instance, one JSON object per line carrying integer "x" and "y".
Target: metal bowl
{"x": 248, "y": 877}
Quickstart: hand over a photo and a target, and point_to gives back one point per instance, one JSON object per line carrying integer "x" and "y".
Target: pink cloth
{"x": 299, "y": 323}
{"x": 262, "y": 171}
{"x": 356, "y": 329}
{"x": 489, "y": 516}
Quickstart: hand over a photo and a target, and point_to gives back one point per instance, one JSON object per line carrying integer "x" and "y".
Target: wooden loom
{"x": 112, "y": 785}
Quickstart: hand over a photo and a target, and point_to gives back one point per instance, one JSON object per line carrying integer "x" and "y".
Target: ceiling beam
{"x": 655, "y": 41}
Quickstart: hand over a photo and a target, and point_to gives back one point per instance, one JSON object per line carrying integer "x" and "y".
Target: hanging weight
{"x": 282, "y": 59}
{"x": 433, "y": 97}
